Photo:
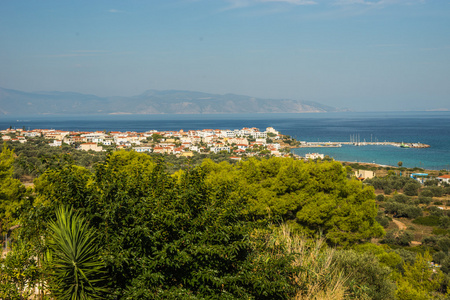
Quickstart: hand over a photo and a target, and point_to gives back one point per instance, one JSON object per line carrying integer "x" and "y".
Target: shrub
{"x": 380, "y": 198}
{"x": 432, "y": 220}
{"x": 436, "y": 211}
{"x": 411, "y": 188}
{"x": 426, "y": 193}
{"x": 444, "y": 222}
{"x": 367, "y": 278}
{"x": 424, "y": 199}
{"x": 401, "y": 198}
{"x": 436, "y": 191}
{"x": 439, "y": 231}
{"x": 383, "y": 220}
{"x": 439, "y": 257}
{"x": 403, "y": 210}
{"x": 396, "y": 237}
{"x": 431, "y": 182}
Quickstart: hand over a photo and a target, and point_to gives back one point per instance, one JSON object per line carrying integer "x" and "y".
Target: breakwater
{"x": 339, "y": 144}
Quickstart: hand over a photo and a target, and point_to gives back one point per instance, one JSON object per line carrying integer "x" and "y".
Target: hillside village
{"x": 248, "y": 141}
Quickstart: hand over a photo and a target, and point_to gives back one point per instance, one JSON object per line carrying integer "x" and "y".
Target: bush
{"x": 444, "y": 222}
{"x": 411, "y": 188}
{"x": 397, "y": 237}
{"x": 435, "y": 211}
{"x": 403, "y": 210}
{"x": 439, "y": 231}
{"x": 383, "y": 220}
{"x": 401, "y": 198}
{"x": 387, "y": 190}
{"x": 367, "y": 278}
{"x": 426, "y": 193}
{"x": 431, "y": 182}
{"x": 424, "y": 199}
{"x": 439, "y": 257}
{"x": 380, "y": 198}
{"x": 447, "y": 190}
{"x": 436, "y": 191}
{"x": 432, "y": 220}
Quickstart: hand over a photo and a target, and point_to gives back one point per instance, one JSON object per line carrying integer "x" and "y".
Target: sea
{"x": 432, "y": 128}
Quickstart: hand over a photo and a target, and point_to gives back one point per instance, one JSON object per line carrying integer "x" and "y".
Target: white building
{"x": 314, "y": 156}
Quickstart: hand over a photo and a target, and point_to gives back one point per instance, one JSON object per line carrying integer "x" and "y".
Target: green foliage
{"x": 432, "y": 220}
{"x": 436, "y": 211}
{"x": 317, "y": 195}
{"x": 401, "y": 198}
{"x": 431, "y": 182}
{"x": 424, "y": 199}
{"x": 76, "y": 272}
{"x": 385, "y": 255}
{"x": 440, "y": 231}
{"x": 19, "y": 272}
{"x": 380, "y": 198}
{"x": 435, "y": 191}
{"x": 368, "y": 279}
{"x": 398, "y": 237}
{"x": 389, "y": 183}
{"x": 35, "y": 157}
{"x": 12, "y": 191}
{"x": 403, "y": 210}
{"x": 163, "y": 235}
{"x": 382, "y": 219}
{"x": 426, "y": 193}
{"x": 411, "y": 188}
{"x": 419, "y": 280}
{"x": 444, "y": 222}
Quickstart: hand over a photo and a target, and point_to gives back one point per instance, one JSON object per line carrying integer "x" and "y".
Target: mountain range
{"x": 13, "y": 102}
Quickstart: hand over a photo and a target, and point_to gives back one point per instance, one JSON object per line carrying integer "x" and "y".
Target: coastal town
{"x": 248, "y": 141}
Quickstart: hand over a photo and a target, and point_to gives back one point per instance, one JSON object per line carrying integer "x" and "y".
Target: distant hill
{"x": 14, "y": 102}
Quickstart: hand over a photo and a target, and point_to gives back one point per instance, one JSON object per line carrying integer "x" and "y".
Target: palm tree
{"x": 76, "y": 272}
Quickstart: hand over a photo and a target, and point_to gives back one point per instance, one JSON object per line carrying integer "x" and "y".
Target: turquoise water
{"x": 431, "y": 128}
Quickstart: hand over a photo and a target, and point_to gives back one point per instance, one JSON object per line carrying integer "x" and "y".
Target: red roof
{"x": 444, "y": 177}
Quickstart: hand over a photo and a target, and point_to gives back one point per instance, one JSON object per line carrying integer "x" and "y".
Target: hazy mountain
{"x": 150, "y": 102}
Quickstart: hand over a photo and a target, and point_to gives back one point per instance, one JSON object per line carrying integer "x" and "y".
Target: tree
{"x": 12, "y": 191}
{"x": 400, "y": 163}
{"x": 76, "y": 272}
{"x": 317, "y": 196}
{"x": 19, "y": 272}
{"x": 419, "y": 279}
{"x": 367, "y": 278}
{"x": 166, "y": 236}
{"x": 411, "y": 189}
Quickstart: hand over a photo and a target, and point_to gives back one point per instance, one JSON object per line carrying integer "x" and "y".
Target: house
{"x": 55, "y": 143}
{"x": 364, "y": 174}
{"x": 142, "y": 149}
{"x": 314, "y": 156}
{"x": 444, "y": 179}
{"x": 91, "y": 146}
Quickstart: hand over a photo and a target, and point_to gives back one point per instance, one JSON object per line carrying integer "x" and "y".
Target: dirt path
{"x": 399, "y": 224}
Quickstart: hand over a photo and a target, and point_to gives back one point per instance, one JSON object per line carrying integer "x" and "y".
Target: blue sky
{"x": 359, "y": 54}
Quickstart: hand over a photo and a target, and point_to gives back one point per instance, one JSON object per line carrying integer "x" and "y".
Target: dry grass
{"x": 319, "y": 279}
